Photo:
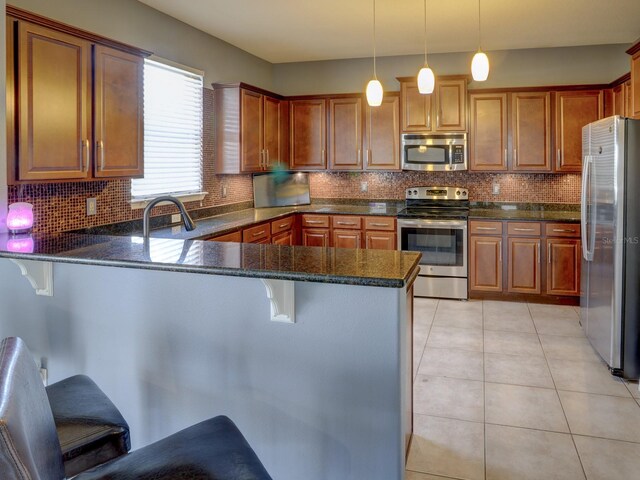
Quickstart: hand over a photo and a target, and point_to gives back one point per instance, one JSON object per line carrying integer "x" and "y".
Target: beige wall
{"x": 135, "y": 23}
{"x": 509, "y": 68}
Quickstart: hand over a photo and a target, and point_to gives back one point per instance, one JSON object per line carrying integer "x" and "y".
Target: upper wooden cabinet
{"x": 488, "y": 144}
{"x": 382, "y": 134}
{"x": 251, "y": 129}
{"x": 58, "y": 130}
{"x": 443, "y": 111}
{"x": 345, "y": 133}
{"x": 308, "y": 129}
{"x": 531, "y": 131}
{"x": 634, "y": 51}
{"x": 574, "y": 110}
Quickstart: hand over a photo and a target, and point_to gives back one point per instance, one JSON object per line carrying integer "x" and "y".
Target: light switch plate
{"x": 92, "y": 207}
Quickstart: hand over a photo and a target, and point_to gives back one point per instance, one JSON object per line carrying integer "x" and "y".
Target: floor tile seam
{"x": 453, "y": 348}
{"x": 453, "y": 378}
{"x": 605, "y": 438}
{"x": 519, "y": 385}
{"x": 559, "y": 335}
{"x": 536, "y": 355}
{"x": 507, "y": 331}
{"x": 446, "y": 418}
{"x": 484, "y": 398}
{"x": 568, "y": 432}
{"x": 434, "y": 474}
{"x": 592, "y": 393}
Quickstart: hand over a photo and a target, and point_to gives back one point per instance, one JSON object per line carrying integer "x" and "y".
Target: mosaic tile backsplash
{"x": 61, "y": 206}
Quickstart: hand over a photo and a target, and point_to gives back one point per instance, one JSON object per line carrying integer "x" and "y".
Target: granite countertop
{"x": 525, "y": 211}
{"x": 376, "y": 268}
{"x": 229, "y": 222}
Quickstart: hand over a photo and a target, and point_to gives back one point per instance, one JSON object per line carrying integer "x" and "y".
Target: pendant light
{"x": 480, "y": 62}
{"x": 374, "y": 87}
{"x": 426, "y": 78}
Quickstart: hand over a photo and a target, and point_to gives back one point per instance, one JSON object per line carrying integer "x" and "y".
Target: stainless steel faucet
{"x": 189, "y": 224}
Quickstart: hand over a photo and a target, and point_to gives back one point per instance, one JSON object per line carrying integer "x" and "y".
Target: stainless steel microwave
{"x": 434, "y": 151}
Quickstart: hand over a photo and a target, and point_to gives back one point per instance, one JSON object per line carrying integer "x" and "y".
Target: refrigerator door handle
{"x": 586, "y": 170}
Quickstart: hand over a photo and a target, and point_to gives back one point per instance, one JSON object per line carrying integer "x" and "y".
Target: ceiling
{"x": 281, "y": 31}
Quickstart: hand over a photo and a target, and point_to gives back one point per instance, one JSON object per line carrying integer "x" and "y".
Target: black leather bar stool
{"x": 211, "y": 450}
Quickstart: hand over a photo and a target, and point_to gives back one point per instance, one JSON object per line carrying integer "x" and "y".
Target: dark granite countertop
{"x": 525, "y": 211}
{"x": 377, "y": 268}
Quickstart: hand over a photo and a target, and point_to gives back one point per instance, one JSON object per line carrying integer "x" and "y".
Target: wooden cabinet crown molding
{"x": 20, "y": 14}
{"x": 635, "y": 48}
{"x": 246, "y": 86}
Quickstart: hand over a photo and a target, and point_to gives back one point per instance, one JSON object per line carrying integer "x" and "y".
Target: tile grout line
{"x": 573, "y": 441}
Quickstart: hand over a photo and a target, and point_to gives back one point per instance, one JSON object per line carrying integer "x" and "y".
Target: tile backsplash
{"x": 61, "y": 206}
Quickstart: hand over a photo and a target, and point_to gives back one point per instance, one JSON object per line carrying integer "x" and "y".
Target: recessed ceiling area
{"x": 282, "y": 31}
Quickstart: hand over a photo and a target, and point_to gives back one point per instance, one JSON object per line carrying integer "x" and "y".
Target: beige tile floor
{"x": 514, "y": 391}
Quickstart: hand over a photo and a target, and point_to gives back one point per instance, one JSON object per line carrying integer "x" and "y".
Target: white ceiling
{"x": 282, "y": 31}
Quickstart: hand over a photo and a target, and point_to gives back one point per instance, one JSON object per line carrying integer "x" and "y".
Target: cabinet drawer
{"x": 477, "y": 227}
{"x": 255, "y": 234}
{"x": 315, "y": 221}
{"x": 562, "y": 229}
{"x": 523, "y": 229}
{"x": 380, "y": 223}
{"x": 281, "y": 225}
{"x": 346, "y": 222}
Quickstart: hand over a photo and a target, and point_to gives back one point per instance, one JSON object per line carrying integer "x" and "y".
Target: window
{"x": 172, "y": 132}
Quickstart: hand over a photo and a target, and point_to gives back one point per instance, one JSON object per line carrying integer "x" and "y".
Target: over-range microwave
{"x": 434, "y": 151}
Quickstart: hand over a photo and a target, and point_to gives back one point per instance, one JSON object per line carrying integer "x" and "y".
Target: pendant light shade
{"x": 480, "y": 67}
{"x": 374, "y": 87}
{"x": 374, "y": 93}
{"x": 480, "y": 62}
{"x": 426, "y": 78}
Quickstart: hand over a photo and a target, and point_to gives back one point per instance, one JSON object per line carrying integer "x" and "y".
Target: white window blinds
{"x": 172, "y": 132}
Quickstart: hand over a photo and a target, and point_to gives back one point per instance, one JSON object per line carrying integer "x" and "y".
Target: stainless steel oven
{"x": 434, "y": 151}
{"x": 435, "y": 224}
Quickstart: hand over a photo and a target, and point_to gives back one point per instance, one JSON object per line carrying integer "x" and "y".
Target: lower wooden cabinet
{"x": 523, "y": 260}
{"x": 315, "y": 237}
{"x": 347, "y": 239}
{"x": 485, "y": 263}
{"x": 284, "y": 238}
{"x": 228, "y": 237}
{"x": 380, "y": 240}
{"x": 563, "y": 266}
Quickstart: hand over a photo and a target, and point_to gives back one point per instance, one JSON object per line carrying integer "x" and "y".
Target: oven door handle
{"x": 461, "y": 224}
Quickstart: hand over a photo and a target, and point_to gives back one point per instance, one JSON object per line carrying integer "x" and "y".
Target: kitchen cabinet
{"x": 618, "y": 100}
{"x": 628, "y": 99}
{"x": 284, "y": 238}
{"x": 345, "y": 133}
{"x": 382, "y": 134}
{"x": 308, "y": 127}
{"x": 443, "y": 111}
{"x": 380, "y": 233}
{"x": 523, "y": 257}
{"x": 634, "y": 102}
{"x": 283, "y": 231}
{"x": 574, "y": 110}
{"x": 346, "y": 239}
{"x": 228, "y": 237}
{"x": 315, "y": 230}
{"x": 530, "y": 131}
{"x": 250, "y": 127}
{"x": 564, "y": 258}
{"x": 86, "y": 86}
{"x": 257, "y": 234}
{"x": 488, "y": 142}
{"x": 485, "y": 256}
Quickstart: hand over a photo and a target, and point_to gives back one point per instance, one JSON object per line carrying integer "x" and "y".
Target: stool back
{"x": 29, "y": 445}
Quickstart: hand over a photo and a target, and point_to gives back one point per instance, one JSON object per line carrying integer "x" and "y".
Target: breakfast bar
{"x": 176, "y": 331}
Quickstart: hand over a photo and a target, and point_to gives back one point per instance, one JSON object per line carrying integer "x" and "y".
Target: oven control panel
{"x": 437, "y": 193}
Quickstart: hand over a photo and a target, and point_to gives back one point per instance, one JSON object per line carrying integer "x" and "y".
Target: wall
{"x": 509, "y": 68}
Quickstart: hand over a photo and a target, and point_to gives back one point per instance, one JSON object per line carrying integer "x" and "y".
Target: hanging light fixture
{"x": 426, "y": 78}
{"x": 480, "y": 62}
{"x": 374, "y": 87}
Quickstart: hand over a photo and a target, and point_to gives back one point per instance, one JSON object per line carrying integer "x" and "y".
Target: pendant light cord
{"x": 479, "y": 28}
{"x": 425, "y": 32}
{"x": 374, "y": 40}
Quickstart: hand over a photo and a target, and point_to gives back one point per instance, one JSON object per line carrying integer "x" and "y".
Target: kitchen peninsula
{"x": 182, "y": 330}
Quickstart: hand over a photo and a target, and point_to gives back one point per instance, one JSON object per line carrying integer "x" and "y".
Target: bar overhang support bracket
{"x": 281, "y": 295}
{"x": 39, "y": 274}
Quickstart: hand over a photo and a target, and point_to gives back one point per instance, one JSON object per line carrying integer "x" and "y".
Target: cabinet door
{"x": 347, "y": 239}
{"x": 485, "y": 263}
{"x": 488, "y": 143}
{"x": 284, "y": 238}
{"x": 251, "y": 131}
{"x": 574, "y": 110}
{"x": 523, "y": 264}
{"x": 451, "y": 105}
{"x": 54, "y": 74}
{"x": 308, "y": 134}
{"x": 315, "y": 237}
{"x": 628, "y": 99}
{"x": 382, "y": 135}
{"x": 635, "y": 86}
{"x": 273, "y": 134}
{"x": 119, "y": 120}
{"x": 563, "y": 266}
{"x": 345, "y": 133}
{"x": 531, "y": 131}
{"x": 380, "y": 240}
{"x": 618, "y": 100}
{"x": 415, "y": 108}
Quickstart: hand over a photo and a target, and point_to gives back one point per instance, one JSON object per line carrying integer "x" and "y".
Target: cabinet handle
{"x": 368, "y": 156}
{"x": 505, "y": 156}
{"x": 549, "y": 252}
{"x": 314, "y": 222}
{"x": 559, "y": 157}
{"x": 538, "y": 245}
{"x": 500, "y": 251}
{"x": 101, "y": 147}
{"x": 485, "y": 228}
{"x": 515, "y": 156}
{"x": 261, "y": 232}
{"x": 359, "y": 156}
{"x": 324, "y": 156}
{"x": 346, "y": 223}
{"x": 267, "y": 161}
{"x": 379, "y": 224}
{"x": 523, "y": 229}
{"x": 282, "y": 225}
{"x": 563, "y": 230}
{"x": 85, "y": 164}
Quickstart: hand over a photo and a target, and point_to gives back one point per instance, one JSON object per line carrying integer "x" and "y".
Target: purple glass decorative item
{"x": 20, "y": 217}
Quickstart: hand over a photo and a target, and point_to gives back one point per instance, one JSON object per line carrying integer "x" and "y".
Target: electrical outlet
{"x": 495, "y": 188}
{"x": 224, "y": 191}
{"x": 175, "y": 218}
{"x": 364, "y": 186}
{"x": 92, "y": 206}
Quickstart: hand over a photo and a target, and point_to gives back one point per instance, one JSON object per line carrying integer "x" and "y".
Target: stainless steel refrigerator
{"x": 610, "y": 279}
